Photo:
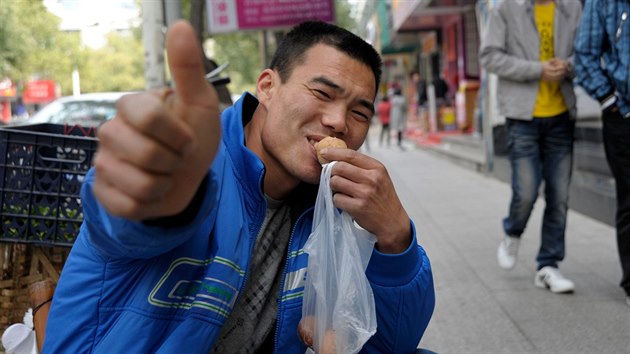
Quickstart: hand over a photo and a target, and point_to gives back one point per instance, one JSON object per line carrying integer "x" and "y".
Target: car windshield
{"x": 84, "y": 112}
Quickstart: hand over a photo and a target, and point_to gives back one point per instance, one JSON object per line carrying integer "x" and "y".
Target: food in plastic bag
{"x": 338, "y": 313}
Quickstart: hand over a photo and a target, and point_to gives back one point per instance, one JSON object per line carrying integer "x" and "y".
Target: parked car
{"x": 88, "y": 110}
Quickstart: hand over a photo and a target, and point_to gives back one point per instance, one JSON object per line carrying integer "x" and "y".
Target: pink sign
{"x": 232, "y": 15}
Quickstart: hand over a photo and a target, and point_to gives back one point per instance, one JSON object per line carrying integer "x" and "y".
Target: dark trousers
{"x": 384, "y": 134}
{"x": 616, "y": 133}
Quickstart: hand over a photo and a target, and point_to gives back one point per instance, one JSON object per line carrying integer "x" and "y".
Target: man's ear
{"x": 266, "y": 85}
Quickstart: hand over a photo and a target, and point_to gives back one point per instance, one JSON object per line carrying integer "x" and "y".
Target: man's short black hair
{"x": 302, "y": 37}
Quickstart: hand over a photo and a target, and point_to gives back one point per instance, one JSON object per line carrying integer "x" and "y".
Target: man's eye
{"x": 321, "y": 93}
{"x": 360, "y": 115}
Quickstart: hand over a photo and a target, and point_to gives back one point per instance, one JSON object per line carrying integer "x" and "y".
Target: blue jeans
{"x": 541, "y": 149}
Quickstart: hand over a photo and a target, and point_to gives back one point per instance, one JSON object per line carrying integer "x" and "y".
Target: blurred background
{"x": 54, "y": 48}
{"x": 68, "y": 61}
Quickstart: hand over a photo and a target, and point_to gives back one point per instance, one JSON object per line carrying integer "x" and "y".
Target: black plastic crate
{"x": 42, "y": 167}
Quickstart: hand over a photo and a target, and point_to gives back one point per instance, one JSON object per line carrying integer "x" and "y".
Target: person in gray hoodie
{"x": 398, "y": 114}
{"x": 529, "y": 45}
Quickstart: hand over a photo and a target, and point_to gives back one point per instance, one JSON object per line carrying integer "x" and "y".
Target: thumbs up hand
{"x": 154, "y": 154}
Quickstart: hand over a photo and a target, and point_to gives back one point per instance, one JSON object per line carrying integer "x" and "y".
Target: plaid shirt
{"x": 604, "y": 33}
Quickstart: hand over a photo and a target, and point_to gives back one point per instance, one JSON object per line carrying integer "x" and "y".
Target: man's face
{"x": 329, "y": 94}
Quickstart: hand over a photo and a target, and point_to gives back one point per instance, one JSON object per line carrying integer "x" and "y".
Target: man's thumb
{"x": 184, "y": 59}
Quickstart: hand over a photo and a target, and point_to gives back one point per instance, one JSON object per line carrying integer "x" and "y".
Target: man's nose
{"x": 336, "y": 120}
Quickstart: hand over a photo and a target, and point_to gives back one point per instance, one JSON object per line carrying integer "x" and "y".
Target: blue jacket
{"x": 128, "y": 287}
{"x": 604, "y": 32}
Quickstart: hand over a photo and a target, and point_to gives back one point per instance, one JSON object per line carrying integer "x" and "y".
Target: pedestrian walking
{"x": 195, "y": 222}
{"x": 604, "y": 36}
{"x": 528, "y": 44}
{"x": 399, "y": 115}
{"x": 441, "y": 91}
{"x": 383, "y": 110}
{"x": 421, "y": 99}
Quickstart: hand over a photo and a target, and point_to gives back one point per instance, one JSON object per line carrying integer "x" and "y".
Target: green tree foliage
{"x": 118, "y": 66}
{"x": 33, "y": 47}
{"x": 342, "y": 16}
{"x": 242, "y": 51}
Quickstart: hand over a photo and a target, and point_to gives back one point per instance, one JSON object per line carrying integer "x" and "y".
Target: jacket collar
{"x": 559, "y": 5}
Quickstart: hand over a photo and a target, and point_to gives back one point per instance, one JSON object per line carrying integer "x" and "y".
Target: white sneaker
{"x": 551, "y": 278}
{"x": 506, "y": 254}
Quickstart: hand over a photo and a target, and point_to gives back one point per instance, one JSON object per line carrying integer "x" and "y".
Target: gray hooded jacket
{"x": 511, "y": 49}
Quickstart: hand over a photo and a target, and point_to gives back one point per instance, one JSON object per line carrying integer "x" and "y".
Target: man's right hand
{"x": 153, "y": 156}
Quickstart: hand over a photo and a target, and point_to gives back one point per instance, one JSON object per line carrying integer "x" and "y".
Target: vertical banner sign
{"x": 221, "y": 16}
{"x": 233, "y": 15}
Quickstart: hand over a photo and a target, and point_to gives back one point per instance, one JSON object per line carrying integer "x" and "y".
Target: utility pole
{"x": 172, "y": 11}
{"x": 153, "y": 32}
{"x": 264, "y": 48}
{"x": 488, "y": 90}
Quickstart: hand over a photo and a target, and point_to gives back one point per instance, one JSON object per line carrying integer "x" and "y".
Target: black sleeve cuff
{"x": 186, "y": 216}
{"x": 601, "y": 99}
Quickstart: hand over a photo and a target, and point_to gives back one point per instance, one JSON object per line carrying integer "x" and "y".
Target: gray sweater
{"x": 511, "y": 49}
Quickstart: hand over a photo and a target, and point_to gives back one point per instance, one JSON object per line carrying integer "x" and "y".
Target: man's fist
{"x": 153, "y": 156}
{"x": 555, "y": 70}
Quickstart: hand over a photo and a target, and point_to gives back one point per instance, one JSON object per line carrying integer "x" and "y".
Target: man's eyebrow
{"x": 326, "y": 81}
{"x": 367, "y": 104}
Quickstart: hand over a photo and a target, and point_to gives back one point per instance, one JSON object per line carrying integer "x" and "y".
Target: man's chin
{"x": 312, "y": 176}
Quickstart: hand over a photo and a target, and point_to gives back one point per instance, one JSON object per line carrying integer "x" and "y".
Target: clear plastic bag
{"x": 338, "y": 312}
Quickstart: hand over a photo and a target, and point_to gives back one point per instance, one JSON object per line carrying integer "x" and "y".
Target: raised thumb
{"x": 185, "y": 62}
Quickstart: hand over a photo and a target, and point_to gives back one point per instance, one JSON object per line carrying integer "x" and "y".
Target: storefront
{"x": 447, "y": 39}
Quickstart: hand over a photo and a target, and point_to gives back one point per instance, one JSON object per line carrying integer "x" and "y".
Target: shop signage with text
{"x": 234, "y": 15}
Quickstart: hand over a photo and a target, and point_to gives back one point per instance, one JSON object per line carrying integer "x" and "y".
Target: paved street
{"x": 483, "y": 309}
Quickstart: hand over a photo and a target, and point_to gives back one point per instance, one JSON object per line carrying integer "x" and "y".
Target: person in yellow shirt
{"x": 528, "y": 44}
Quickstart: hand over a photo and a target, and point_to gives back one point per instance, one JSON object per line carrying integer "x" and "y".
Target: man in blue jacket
{"x": 604, "y": 33}
{"x": 194, "y": 223}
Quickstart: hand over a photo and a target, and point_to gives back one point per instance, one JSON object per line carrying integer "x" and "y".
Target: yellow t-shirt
{"x": 549, "y": 101}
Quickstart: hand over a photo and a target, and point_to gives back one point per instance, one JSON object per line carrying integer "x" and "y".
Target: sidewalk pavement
{"x": 481, "y": 308}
